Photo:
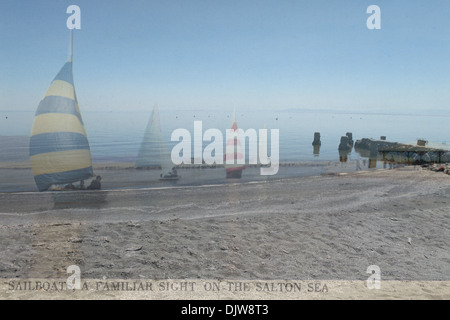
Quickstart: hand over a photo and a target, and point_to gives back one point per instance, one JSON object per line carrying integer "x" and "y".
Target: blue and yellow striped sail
{"x": 59, "y": 148}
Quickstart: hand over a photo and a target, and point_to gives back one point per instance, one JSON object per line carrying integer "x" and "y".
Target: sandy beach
{"x": 175, "y": 107}
{"x": 310, "y": 232}
{"x": 328, "y": 228}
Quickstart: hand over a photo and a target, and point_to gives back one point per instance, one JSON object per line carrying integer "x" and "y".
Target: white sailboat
{"x": 154, "y": 152}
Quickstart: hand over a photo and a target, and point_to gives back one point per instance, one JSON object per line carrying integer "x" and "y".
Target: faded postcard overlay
{"x": 197, "y": 289}
{"x": 224, "y": 150}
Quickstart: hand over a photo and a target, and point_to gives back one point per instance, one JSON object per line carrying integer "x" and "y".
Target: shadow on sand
{"x": 79, "y": 199}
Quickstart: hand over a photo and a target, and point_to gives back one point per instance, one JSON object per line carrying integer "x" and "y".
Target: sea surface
{"x": 115, "y": 136}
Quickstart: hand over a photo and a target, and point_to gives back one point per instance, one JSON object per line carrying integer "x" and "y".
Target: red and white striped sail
{"x": 234, "y": 154}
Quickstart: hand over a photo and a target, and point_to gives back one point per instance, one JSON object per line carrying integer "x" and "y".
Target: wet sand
{"x": 324, "y": 228}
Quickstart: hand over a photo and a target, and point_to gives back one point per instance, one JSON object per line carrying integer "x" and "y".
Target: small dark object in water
{"x": 95, "y": 184}
{"x": 344, "y": 145}
{"x": 350, "y": 138}
{"x": 316, "y": 141}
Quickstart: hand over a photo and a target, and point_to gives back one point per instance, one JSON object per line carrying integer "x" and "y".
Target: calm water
{"x": 116, "y": 136}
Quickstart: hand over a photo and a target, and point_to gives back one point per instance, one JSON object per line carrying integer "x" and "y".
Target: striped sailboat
{"x": 59, "y": 147}
{"x": 234, "y": 155}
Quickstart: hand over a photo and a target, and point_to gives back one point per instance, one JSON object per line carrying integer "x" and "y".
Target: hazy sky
{"x": 194, "y": 54}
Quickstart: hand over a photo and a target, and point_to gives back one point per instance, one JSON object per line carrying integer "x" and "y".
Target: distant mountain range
{"x": 429, "y": 112}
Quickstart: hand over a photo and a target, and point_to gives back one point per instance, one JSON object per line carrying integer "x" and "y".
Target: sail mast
{"x": 71, "y": 46}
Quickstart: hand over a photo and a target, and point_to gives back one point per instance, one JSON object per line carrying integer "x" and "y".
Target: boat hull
{"x": 169, "y": 179}
{"x": 234, "y": 174}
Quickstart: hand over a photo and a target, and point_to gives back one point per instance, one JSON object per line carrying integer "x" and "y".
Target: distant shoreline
{"x": 18, "y": 177}
{"x": 131, "y": 165}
